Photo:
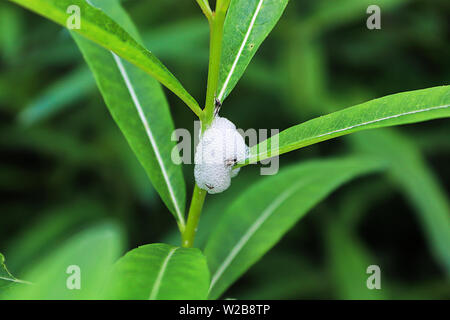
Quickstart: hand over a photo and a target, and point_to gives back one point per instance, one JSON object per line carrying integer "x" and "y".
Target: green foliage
{"x": 98, "y": 27}
{"x": 56, "y": 224}
{"x": 65, "y": 92}
{"x": 139, "y": 107}
{"x": 247, "y": 24}
{"x": 259, "y": 217}
{"x": 6, "y": 277}
{"x": 92, "y": 250}
{"x": 321, "y": 58}
{"x": 183, "y": 41}
{"x": 348, "y": 261}
{"x": 7, "y": 280}
{"x": 397, "y": 109}
{"x": 160, "y": 272}
{"x": 11, "y": 41}
{"x": 328, "y": 14}
{"x": 419, "y": 184}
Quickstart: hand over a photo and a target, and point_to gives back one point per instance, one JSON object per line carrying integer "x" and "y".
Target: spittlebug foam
{"x": 219, "y": 149}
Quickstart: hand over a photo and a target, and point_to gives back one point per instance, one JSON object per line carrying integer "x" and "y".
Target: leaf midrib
{"x": 287, "y": 148}
{"x": 241, "y": 48}
{"x": 158, "y": 280}
{"x": 15, "y": 280}
{"x": 251, "y": 231}
{"x": 138, "y": 106}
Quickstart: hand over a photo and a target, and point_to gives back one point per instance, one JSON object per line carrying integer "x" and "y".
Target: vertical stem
{"x": 216, "y": 32}
{"x": 204, "y": 5}
{"x": 195, "y": 210}
{"x": 215, "y": 51}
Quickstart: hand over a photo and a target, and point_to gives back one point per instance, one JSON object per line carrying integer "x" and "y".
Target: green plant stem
{"x": 204, "y": 5}
{"x": 216, "y": 22}
{"x": 195, "y": 210}
{"x": 215, "y": 50}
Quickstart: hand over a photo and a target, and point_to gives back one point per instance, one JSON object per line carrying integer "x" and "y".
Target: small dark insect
{"x": 217, "y": 105}
{"x": 230, "y": 162}
{"x": 209, "y": 187}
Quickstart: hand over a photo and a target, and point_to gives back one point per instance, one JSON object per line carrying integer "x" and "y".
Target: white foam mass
{"x": 219, "y": 149}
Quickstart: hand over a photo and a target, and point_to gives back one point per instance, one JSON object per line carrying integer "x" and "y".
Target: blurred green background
{"x": 65, "y": 167}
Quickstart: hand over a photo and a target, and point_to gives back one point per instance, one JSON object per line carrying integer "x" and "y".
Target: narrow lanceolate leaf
{"x": 348, "y": 259}
{"x": 98, "y": 27}
{"x": 160, "y": 272}
{"x": 77, "y": 269}
{"x": 328, "y": 14}
{"x": 418, "y": 183}
{"x": 392, "y": 110}
{"x": 258, "y": 218}
{"x": 66, "y": 91}
{"x": 138, "y": 106}
{"x": 6, "y": 278}
{"x": 247, "y": 24}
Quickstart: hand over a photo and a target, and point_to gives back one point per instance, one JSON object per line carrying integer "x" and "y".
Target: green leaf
{"x": 258, "y": 218}
{"x": 64, "y": 92}
{"x": 184, "y": 41}
{"x": 43, "y": 233}
{"x": 139, "y": 107}
{"x": 293, "y": 268}
{"x": 93, "y": 250}
{"x": 328, "y": 14}
{"x": 160, "y": 271}
{"x": 247, "y": 24}
{"x": 7, "y": 280}
{"x": 11, "y": 42}
{"x": 98, "y": 27}
{"x": 211, "y": 207}
{"x": 396, "y": 109}
{"x": 348, "y": 260}
{"x": 55, "y": 143}
{"x": 417, "y": 182}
